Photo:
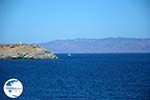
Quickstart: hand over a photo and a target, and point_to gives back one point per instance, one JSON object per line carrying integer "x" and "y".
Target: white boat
{"x": 69, "y": 54}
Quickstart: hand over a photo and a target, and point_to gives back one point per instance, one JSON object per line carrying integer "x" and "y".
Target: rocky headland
{"x": 24, "y": 51}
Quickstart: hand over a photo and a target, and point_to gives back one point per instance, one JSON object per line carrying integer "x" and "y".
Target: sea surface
{"x": 81, "y": 77}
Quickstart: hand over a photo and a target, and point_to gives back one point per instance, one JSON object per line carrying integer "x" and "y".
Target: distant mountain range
{"x": 106, "y": 45}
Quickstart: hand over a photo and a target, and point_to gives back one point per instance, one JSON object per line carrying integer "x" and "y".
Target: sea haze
{"x": 81, "y": 77}
{"x": 107, "y": 45}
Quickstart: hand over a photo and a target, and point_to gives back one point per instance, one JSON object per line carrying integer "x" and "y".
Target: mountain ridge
{"x": 105, "y": 45}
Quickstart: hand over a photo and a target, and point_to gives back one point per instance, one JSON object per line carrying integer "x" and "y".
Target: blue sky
{"x": 46, "y": 20}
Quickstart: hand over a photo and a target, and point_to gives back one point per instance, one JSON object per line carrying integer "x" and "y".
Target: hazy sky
{"x": 46, "y": 20}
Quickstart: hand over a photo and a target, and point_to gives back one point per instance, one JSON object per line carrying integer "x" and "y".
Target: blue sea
{"x": 81, "y": 77}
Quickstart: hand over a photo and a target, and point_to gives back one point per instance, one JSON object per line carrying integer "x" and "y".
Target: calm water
{"x": 81, "y": 77}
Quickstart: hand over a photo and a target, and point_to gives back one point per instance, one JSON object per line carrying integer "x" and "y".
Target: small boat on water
{"x": 69, "y": 54}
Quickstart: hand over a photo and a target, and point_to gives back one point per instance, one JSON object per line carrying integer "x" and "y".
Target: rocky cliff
{"x": 24, "y": 51}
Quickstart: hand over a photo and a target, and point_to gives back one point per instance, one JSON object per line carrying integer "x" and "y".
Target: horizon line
{"x": 75, "y": 39}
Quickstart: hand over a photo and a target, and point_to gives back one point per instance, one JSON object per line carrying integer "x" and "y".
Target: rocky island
{"x": 24, "y": 51}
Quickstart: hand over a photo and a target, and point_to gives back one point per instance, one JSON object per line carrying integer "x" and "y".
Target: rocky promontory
{"x": 24, "y": 51}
